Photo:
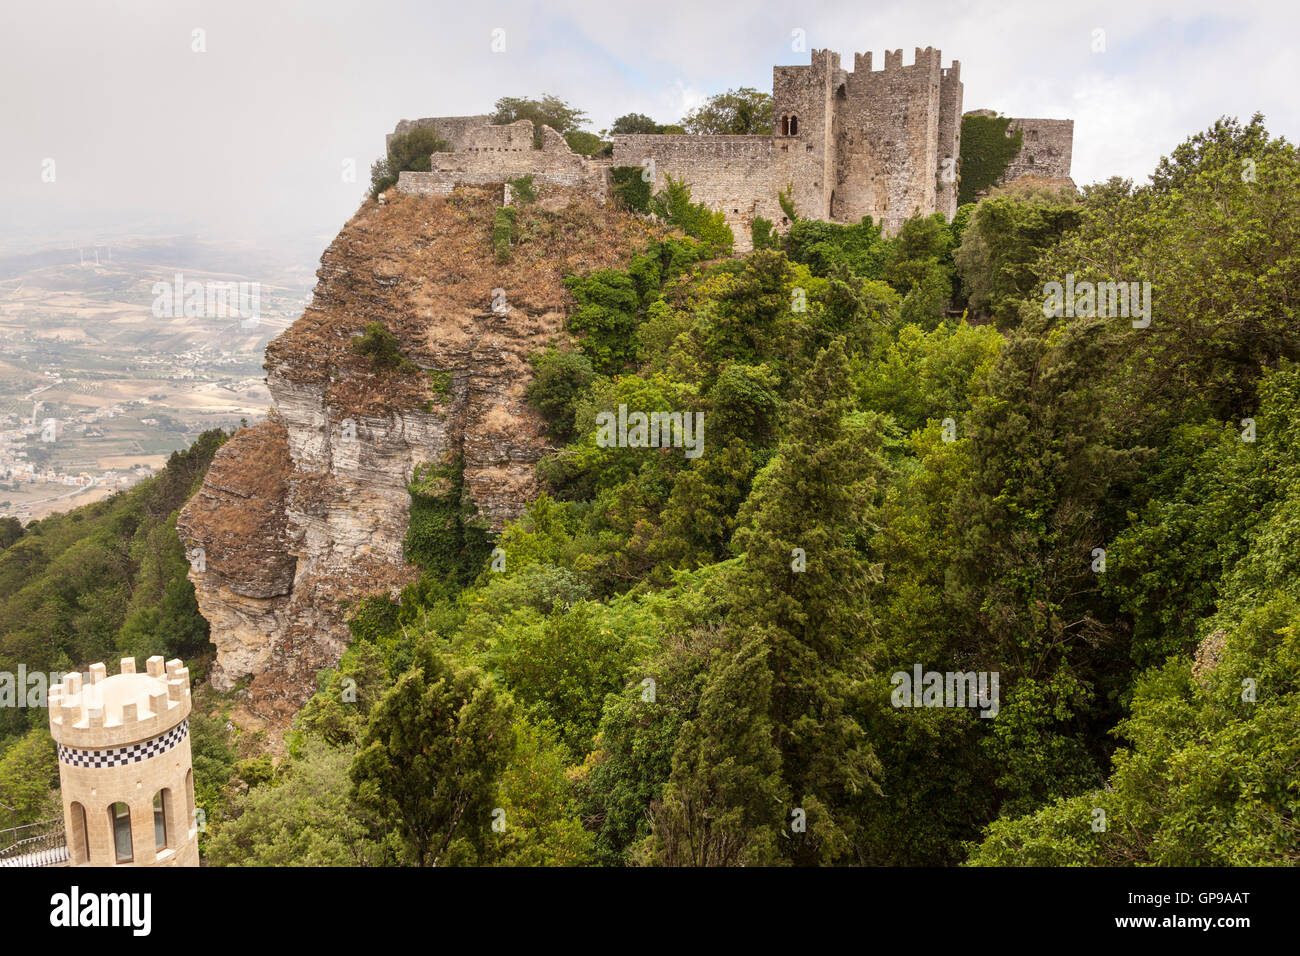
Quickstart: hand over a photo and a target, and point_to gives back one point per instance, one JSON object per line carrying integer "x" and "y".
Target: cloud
{"x": 249, "y": 138}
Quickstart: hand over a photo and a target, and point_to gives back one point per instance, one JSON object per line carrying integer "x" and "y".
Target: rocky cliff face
{"x": 303, "y": 515}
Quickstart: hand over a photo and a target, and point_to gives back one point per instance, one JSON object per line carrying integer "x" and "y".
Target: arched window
{"x": 79, "y": 839}
{"x": 785, "y": 126}
{"x": 160, "y": 800}
{"x": 794, "y": 126}
{"x": 119, "y": 816}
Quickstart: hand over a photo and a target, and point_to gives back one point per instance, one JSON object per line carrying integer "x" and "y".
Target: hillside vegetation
{"x": 100, "y": 583}
{"x": 689, "y": 660}
{"x": 908, "y": 463}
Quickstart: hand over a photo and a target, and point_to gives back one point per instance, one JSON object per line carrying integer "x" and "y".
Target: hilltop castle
{"x": 879, "y": 143}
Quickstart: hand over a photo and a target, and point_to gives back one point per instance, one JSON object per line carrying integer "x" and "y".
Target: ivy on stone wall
{"x": 986, "y": 151}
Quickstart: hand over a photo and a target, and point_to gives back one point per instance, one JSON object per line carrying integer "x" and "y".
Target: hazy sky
{"x": 249, "y": 139}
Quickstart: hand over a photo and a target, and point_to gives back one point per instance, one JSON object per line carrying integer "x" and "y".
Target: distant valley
{"x": 98, "y": 387}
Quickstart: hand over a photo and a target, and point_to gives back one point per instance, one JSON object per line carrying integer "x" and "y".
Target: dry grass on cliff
{"x": 426, "y": 269}
{"x": 238, "y": 514}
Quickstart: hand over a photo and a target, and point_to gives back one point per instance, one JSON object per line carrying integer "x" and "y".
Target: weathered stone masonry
{"x": 484, "y": 154}
{"x": 879, "y": 143}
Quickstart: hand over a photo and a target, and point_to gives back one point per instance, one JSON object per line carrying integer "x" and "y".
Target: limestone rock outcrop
{"x": 305, "y": 514}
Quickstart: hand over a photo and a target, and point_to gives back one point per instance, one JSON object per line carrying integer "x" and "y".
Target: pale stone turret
{"x": 125, "y": 767}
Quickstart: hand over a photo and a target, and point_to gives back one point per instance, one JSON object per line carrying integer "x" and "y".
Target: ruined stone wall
{"x": 453, "y": 129}
{"x": 739, "y": 175}
{"x": 493, "y": 154}
{"x": 1045, "y": 149}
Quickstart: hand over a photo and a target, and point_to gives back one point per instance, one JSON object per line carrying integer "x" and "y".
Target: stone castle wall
{"x": 846, "y": 144}
{"x": 1045, "y": 149}
{"x": 740, "y": 175}
{"x": 453, "y": 129}
{"x": 950, "y": 104}
{"x": 492, "y": 154}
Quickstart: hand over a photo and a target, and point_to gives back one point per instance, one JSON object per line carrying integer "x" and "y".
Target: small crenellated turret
{"x": 125, "y": 766}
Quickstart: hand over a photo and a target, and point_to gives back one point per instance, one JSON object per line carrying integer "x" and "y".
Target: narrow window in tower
{"x": 785, "y": 126}
{"x": 160, "y": 820}
{"x": 119, "y": 815}
{"x": 80, "y": 843}
{"x": 794, "y": 126}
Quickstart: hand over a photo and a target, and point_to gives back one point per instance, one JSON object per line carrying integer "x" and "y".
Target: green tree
{"x": 635, "y": 123}
{"x": 542, "y": 827}
{"x": 725, "y": 798}
{"x": 434, "y": 750}
{"x": 736, "y": 112}
{"x": 1005, "y": 238}
{"x": 547, "y": 111}
{"x": 29, "y": 778}
{"x": 812, "y": 611}
{"x": 411, "y": 151}
{"x": 11, "y": 529}
{"x": 559, "y": 377}
{"x": 382, "y": 347}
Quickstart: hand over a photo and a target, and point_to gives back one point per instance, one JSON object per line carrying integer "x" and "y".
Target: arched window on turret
{"x": 785, "y": 126}
{"x": 79, "y": 841}
{"x": 794, "y": 126}
{"x": 161, "y": 799}
{"x": 119, "y": 818}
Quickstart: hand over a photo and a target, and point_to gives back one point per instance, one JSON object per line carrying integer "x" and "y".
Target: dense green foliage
{"x": 696, "y": 219}
{"x": 691, "y": 660}
{"x": 407, "y": 151}
{"x": 735, "y": 112}
{"x": 104, "y": 581}
{"x": 442, "y": 537}
{"x": 1002, "y": 241}
{"x": 631, "y": 187}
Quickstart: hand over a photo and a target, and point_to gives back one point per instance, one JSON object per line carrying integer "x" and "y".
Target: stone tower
{"x": 804, "y": 125}
{"x": 124, "y": 765}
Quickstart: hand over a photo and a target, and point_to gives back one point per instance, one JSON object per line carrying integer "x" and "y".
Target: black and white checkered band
{"x": 121, "y": 756}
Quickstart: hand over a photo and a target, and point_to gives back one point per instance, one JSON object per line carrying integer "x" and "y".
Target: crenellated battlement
{"x": 124, "y": 708}
{"x": 125, "y": 765}
{"x": 924, "y": 59}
